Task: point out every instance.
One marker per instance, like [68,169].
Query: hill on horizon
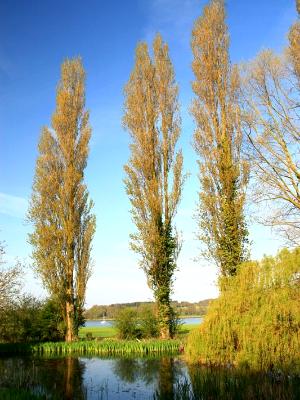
[184,308]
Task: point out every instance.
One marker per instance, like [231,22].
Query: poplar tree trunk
[69,321]
[165,312]
[70,316]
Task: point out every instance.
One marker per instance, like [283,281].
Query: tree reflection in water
[131,370]
[165,372]
[59,378]
[229,383]
[164,378]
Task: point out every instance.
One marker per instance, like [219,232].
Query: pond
[163,378]
[104,322]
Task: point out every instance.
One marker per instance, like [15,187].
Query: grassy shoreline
[93,347]
[110,331]
[101,341]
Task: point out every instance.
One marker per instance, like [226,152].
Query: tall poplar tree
[218,138]
[60,208]
[154,172]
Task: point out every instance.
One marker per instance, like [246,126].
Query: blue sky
[36,37]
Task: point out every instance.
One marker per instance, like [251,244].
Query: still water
[164,378]
[95,323]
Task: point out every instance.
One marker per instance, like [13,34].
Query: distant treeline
[111,311]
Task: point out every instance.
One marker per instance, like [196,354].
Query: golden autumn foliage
[154,172]
[60,209]
[223,173]
[294,49]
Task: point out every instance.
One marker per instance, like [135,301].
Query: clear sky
[36,36]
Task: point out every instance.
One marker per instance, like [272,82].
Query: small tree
[126,323]
[10,281]
[154,172]
[223,173]
[60,208]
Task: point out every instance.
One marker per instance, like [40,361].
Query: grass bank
[98,331]
[107,346]
[104,347]
[110,331]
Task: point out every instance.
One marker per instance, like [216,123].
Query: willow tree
[218,140]
[154,172]
[60,208]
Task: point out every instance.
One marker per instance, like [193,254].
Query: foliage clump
[131,324]
[256,320]
[28,320]
[126,324]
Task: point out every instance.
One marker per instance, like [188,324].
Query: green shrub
[131,324]
[126,324]
[148,323]
[256,320]
[29,320]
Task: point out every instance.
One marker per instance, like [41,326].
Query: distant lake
[100,322]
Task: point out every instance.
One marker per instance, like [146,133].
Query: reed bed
[104,347]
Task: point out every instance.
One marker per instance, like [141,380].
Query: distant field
[109,331]
[98,331]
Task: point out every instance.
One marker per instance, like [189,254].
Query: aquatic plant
[104,347]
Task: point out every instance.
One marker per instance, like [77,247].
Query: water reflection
[165,378]
[51,378]
[216,383]
[132,370]
[163,373]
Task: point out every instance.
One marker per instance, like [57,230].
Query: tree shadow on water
[59,378]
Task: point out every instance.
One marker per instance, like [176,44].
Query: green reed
[104,347]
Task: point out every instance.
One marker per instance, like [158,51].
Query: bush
[131,324]
[51,322]
[148,323]
[126,324]
[30,320]
[256,320]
